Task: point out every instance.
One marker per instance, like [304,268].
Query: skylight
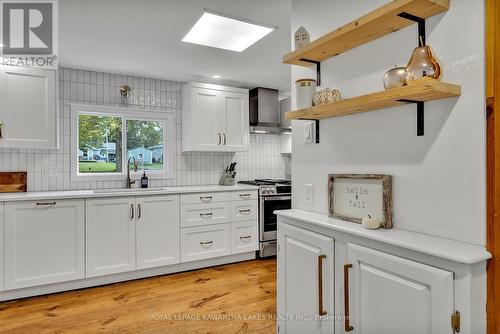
[223,32]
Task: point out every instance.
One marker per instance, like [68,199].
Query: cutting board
[13,182]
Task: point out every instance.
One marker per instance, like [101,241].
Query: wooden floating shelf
[380,22]
[417,91]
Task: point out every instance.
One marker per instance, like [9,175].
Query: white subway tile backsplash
[262,160]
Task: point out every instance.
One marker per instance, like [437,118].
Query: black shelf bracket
[318,69]
[420,115]
[316,125]
[421,25]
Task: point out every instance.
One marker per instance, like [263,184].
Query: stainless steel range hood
[264,111]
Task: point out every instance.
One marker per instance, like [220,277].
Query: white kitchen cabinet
[44,243]
[205,214]
[390,294]
[305,280]
[110,235]
[28,108]
[204,242]
[157,231]
[214,118]
[244,211]
[1,246]
[244,237]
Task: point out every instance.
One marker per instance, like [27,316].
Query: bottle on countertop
[144,181]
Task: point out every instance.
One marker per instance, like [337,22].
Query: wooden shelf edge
[421,90]
[378,23]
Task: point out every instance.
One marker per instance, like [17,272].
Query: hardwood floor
[235,298]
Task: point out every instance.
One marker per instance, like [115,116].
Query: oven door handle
[276,198]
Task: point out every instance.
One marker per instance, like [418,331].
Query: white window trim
[127,114]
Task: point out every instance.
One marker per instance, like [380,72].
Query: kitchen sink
[127,190]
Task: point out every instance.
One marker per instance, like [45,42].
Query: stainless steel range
[273,195]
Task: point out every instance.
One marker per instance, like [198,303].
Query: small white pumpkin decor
[370,223]
[301,38]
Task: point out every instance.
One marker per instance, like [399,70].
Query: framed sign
[354,196]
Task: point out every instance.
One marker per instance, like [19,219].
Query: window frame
[125,113]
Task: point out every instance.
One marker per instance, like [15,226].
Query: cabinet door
[44,242]
[157,231]
[234,109]
[28,107]
[207,123]
[302,256]
[110,235]
[389,294]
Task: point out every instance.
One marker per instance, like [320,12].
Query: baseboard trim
[122,277]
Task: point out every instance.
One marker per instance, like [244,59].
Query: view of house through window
[145,144]
[101,144]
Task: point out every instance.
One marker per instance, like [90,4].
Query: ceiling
[144,38]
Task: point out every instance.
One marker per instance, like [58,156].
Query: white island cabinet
[305,280]
[383,281]
[28,108]
[44,242]
[214,118]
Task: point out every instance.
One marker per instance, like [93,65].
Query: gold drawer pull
[206,215]
[347,317]
[320,285]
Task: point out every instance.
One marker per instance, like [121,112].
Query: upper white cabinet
[1,245]
[45,242]
[157,231]
[28,108]
[390,294]
[305,280]
[214,118]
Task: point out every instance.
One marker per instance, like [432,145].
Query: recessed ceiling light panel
[223,32]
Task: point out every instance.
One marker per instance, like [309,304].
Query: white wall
[263,159]
[439,179]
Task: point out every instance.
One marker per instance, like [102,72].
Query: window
[105,140]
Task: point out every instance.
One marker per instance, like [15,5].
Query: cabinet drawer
[204,214]
[244,237]
[205,242]
[244,195]
[244,210]
[200,198]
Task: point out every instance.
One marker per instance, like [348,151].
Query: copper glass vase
[423,64]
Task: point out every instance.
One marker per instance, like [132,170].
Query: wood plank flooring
[235,298]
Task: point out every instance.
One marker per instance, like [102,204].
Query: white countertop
[28,196]
[452,250]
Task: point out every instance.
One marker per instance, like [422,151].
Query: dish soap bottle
[144,181]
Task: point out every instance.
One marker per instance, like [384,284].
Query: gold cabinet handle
[220,139]
[320,284]
[1,124]
[347,317]
[246,237]
[139,211]
[131,211]
[225,139]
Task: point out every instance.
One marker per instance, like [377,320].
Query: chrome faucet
[130,182]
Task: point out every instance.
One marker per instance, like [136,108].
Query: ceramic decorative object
[370,223]
[395,77]
[305,92]
[423,64]
[327,95]
[301,38]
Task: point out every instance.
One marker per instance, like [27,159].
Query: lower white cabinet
[110,235]
[1,246]
[305,280]
[157,230]
[45,242]
[244,210]
[244,237]
[390,294]
[198,243]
